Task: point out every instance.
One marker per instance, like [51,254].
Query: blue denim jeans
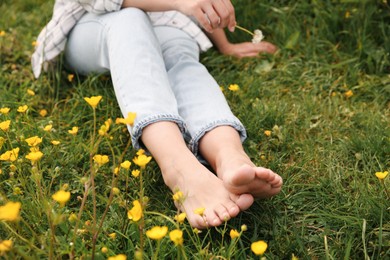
[155,72]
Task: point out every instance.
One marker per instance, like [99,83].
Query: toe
[222,213]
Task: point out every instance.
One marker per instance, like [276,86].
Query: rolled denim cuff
[136,130]
[194,142]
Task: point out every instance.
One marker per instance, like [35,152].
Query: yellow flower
[10,211]
[176,236]
[118,257]
[178,196]
[140,151]
[5,125]
[157,232]
[30,92]
[72,217]
[112,235]
[93,101]
[55,142]
[259,247]
[33,141]
[101,159]
[10,155]
[135,173]
[244,228]
[135,213]
[234,87]
[104,250]
[116,170]
[234,234]
[5,246]
[267,133]
[126,164]
[348,94]
[381,175]
[34,43]
[74,130]
[70,77]
[199,211]
[293,257]
[142,160]
[22,109]
[181,217]
[104,128]
[115,190]
[43,112]
[61,197]
[2,33]
[34,156]
[4,110]
[129,120]
[48,128]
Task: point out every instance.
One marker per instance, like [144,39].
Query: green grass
[326,146]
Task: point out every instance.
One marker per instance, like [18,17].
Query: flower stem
[244,29]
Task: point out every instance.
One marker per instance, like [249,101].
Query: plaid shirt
[52,39]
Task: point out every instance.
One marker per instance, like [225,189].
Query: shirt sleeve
[100,6]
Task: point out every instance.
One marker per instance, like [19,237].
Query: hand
[248,49]
[211,14]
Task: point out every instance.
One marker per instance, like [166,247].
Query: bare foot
[241,176]
[202,189]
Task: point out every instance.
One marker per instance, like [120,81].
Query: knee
[180,50]
[131,16]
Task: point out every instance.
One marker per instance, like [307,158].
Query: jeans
[155,72]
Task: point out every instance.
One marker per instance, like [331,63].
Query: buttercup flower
[33,141]
[234,234]
[48,128]
[34,156]
[10,211]
[126,164]
[93,101]
[199,211]
[129,120]
[142,160]
[10,155]
[61,197]
[70,77]
[2,33]
[181,217]
[157,232]
[140,151]
[5,246]
[101,159]
[259,247]
[118,257]
[267,133]
[348,94]
[104,128]
[43,112]
[178,196]
[135,213]
[5,125]
[55,142]
[74,130]
[176,236]
[381,175]
[4,110]
[112,235]
[30,92]
[234,87]
[104,250]
[116,191]
[135,173]
[22,109]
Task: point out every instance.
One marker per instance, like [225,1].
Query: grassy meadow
[317,112]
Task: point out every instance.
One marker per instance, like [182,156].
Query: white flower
[257,36]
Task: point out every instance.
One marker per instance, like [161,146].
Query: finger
[203,20]
[232,16]
[223,13]
[212,16]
